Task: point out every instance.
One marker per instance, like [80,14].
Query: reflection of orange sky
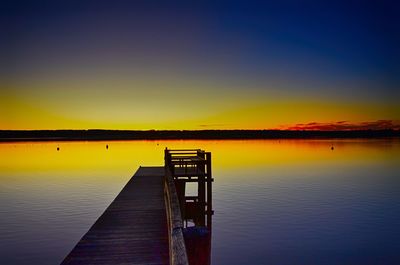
[123,157]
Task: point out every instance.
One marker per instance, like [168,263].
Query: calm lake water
[276,202]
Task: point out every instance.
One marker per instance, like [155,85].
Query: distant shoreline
[98,135]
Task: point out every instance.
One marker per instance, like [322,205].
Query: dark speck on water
[106,146]
[58,148]
[332,148]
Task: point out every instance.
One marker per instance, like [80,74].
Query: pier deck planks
[132,230]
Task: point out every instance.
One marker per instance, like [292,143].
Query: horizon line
[202,130]
[98,134]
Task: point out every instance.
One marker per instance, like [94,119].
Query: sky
[193,65]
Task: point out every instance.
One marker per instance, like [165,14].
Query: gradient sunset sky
[204,65]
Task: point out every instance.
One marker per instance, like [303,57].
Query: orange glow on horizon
[17,113]
[172,102]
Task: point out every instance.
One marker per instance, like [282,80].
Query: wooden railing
[177,248]
[181,167]
[192,165]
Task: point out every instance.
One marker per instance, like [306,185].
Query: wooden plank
[132,230]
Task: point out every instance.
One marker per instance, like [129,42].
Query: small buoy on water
[106,146]
[332,148]
[58,148]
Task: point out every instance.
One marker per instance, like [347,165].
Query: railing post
[209,189]
[201,192]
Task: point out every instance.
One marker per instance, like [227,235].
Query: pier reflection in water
[193,166]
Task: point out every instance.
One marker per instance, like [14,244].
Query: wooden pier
[145,224]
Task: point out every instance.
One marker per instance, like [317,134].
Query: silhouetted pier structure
[193,166]
[152,220]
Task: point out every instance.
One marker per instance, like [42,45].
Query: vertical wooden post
[201,188]
[167,160]
[180,186]
[209,190]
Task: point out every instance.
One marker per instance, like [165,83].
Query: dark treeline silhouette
[51,135]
